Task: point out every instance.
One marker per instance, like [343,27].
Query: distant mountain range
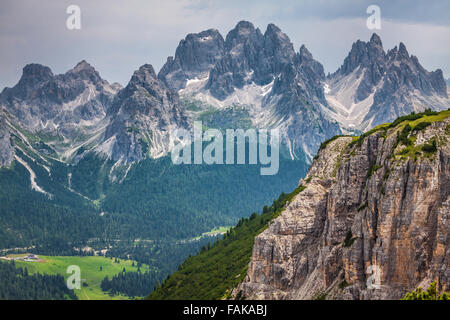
[252,78]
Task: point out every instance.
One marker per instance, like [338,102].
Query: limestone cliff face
[368,213]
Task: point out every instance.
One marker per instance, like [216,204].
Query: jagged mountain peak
[273,29]
[145,78]
[39,77]
[243,26]
[392,52]
[402,50]
[400,53]
[244,32]
[376,40]
[278,44]
[85,72]
[205,35]
[250,57]
[311,67]
[65,105]
[195,56]
[33,75]
[305,53]
[257,72]
[143,84]
[145,71]
[254,57]
[83,65]
[275,33]
[364,54]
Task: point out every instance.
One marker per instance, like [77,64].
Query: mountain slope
[144,116]
[41,100]
[379,199]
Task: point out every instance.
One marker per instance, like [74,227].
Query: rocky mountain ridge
[66,112]
[6,147]
[263,75]
[144,116]
[247,79]
[374,87]
[78,112]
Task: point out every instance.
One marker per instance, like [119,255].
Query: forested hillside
[155,216]
[216,270]
[157,200]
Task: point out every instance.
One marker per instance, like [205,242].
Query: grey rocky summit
[369,59]
[195,56]
[250,57]
[261,72]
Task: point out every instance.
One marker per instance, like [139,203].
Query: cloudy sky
[116,37]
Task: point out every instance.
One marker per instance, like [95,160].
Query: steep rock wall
[368,213]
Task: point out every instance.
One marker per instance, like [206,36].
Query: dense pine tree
[17,284]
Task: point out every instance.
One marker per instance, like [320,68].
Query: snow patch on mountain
[250,95]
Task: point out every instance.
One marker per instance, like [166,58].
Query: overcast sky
[116,37]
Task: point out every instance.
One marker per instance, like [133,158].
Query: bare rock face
[371,224]
[144,116]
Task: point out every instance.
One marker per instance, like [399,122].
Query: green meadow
[91,274]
